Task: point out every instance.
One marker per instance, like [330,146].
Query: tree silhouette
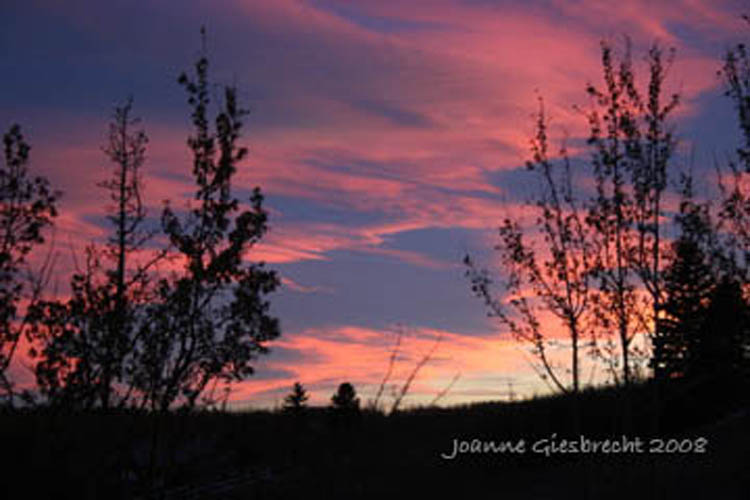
[558,279]
[400,393]
[345,400]
[735,73]
[688,285]
[724,325]
[596,251]
[632,147]
[689,281]
[28,205]
[735,201]
[211,318]
[723,339]
[296,401]
[89,341]
[131,286]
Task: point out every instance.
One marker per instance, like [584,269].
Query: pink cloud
[409,126]
[360,355]
[292,285]
[472,81]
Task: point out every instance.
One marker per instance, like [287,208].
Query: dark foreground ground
[322,454]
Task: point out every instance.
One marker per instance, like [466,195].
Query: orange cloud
[407,113]
[328,356]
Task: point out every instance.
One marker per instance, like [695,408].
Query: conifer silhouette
[296,401]
[688,286]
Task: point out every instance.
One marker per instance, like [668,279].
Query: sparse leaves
[597,251]
[557,281]
[28,205]
[211,319]
[89,342]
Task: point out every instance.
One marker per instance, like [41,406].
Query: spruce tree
[719,351]
[688,284]
[296,401]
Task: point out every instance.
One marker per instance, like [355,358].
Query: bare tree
[598,271]
[632,148]
[444,392]
[389,371]
[555,280]
[734,214]
[130,280]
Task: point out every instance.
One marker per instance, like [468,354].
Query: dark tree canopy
[720,348]
[211,319]
[87,353]
[688,283]
[28,205]
[133,335]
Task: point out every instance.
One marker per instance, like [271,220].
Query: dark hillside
[320,453]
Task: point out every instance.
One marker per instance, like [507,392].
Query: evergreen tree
[721,344]
[689,281]
[296,401]
[688,284]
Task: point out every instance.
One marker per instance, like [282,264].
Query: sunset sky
[389,138]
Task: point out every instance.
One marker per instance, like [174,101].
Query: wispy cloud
[396,131]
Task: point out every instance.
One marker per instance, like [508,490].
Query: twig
[391,363]
[405,388]
[440,395]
